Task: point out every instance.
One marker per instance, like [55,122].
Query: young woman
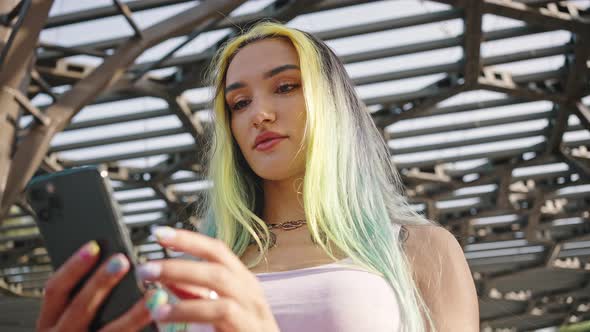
[306,227]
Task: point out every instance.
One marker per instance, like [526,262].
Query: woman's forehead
[258,57]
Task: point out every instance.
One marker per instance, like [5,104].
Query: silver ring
[212,295]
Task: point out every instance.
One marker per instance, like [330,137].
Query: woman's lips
[267,145]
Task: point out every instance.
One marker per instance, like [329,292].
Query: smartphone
[73,207]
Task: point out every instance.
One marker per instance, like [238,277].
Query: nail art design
[161,312]
[149,271]
[157,299]
[116,264]
[163,232]
[91,249]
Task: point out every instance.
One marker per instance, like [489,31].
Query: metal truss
[525,230]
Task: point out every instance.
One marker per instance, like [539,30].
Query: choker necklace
[287,226]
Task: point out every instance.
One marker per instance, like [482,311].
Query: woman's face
[264,94]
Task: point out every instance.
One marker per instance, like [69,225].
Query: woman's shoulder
[414,235]
[443,275]
[428,246]
[423,237]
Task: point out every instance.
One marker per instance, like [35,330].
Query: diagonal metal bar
[501,81]
[178,106]
[28,106]
[124,9]
[12,14]
[35,144]
[557,126]
[583,113]
[581,168]
[72,50]
[549,18]
[50,164]
[23,8]
[176,162]
[578,68]
[577,77]
[13,75]
[43,85]
[421,105]
[194,34]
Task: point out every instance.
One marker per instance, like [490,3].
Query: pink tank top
[335,297]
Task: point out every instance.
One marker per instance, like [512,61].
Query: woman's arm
[444,278]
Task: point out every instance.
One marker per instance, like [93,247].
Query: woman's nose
[263,113]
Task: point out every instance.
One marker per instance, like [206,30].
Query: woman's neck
[283,200]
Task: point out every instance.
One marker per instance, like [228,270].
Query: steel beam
[14,77]
[472,41]
[583,113]
[549,17]
[557,126]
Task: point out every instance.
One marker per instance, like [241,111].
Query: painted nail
[91,249]
[163,232]
[117,264]
[149,271]
[157,299]
[161,312]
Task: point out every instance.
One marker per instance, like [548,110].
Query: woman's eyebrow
[267,75]
[279,69]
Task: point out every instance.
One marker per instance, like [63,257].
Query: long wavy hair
[352,193]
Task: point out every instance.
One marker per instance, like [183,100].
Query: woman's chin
[272,176]
[275,173]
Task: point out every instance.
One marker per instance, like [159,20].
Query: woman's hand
[241,305]
[59,313]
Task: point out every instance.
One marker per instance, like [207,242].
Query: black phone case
[73,207]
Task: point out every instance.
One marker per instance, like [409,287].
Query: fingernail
[163,232]
[161,312]
[157,299]
[149,271]
[90,249]
[117,264]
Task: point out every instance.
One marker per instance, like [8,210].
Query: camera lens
[38,194]
[44,214]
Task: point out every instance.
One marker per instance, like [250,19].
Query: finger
[83,307]
[134,319]
[203,274]
[63,281]
[221,312]
[199,245]
[187,291]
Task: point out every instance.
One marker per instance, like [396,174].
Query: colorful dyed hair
[352,193]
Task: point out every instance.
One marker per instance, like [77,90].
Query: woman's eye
[284,88]
[240,104]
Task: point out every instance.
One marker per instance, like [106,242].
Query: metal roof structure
[491,137]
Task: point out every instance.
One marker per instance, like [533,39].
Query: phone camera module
[44,214]
[38,194]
